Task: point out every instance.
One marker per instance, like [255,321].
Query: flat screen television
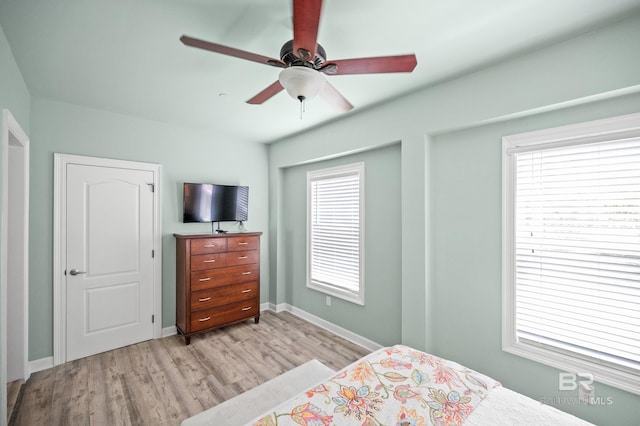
[207,202]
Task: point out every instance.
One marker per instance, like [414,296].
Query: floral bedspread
[392,386]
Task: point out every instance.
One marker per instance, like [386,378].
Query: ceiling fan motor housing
[291,59]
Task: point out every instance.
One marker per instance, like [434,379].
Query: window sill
[358,299]
[603,373]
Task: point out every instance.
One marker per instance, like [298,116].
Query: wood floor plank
[163,381]
[106,402]
[36,402]
[63,390]
[147,395]
[13,392]
[97,387]
[176,369]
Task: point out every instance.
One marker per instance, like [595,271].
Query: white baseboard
[40,364]
[282,307]
[329,326]
[169,331]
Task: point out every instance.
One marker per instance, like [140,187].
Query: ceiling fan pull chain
[302,105]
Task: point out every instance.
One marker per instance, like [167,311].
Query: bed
[402,386]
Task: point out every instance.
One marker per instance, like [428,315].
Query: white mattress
[505,407]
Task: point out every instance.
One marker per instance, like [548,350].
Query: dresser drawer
[241,257]
[208,245]
[201,280]
[224,314]
[219,296]
[208,261]
[243,243]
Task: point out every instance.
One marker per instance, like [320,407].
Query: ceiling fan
[304,61]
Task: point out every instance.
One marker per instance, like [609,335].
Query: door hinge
[153,319]
[153,253]
[152,186]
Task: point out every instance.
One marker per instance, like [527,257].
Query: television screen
[205,202]
[242,203]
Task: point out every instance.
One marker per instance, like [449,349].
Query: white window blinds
[334,226]
[577,249]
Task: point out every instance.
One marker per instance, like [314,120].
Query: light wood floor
[162,382]
[13,390]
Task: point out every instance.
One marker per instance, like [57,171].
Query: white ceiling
[125,56]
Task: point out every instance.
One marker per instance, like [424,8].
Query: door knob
[76,272]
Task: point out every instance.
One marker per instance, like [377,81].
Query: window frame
[334,290]
[627,126]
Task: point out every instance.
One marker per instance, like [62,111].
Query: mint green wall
[374,320]
[185,155]
[15,97]
[465,168]
[14,94]
[594,75]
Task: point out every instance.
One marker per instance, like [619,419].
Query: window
[335,223]
[571,248]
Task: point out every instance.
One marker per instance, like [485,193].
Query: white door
[109,259]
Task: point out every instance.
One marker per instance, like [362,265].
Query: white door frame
[15,149]
[60,244]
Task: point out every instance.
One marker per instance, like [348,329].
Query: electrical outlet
[586,393]
[328,300]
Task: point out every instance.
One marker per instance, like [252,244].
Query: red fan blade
[266,94]
[226,50]
[306,19]
[333,97]
[382,64]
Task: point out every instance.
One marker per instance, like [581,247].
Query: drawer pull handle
[204,299]
[204,319]
[246,273]
[246,291]
[242,243]
[209,245]
[204,279]
[243,257]
[247,308]
[209,261]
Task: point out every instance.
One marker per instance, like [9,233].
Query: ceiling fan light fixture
[301,83]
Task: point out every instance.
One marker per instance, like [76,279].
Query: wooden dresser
[217,281]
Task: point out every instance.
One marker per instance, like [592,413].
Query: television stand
[217,231]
